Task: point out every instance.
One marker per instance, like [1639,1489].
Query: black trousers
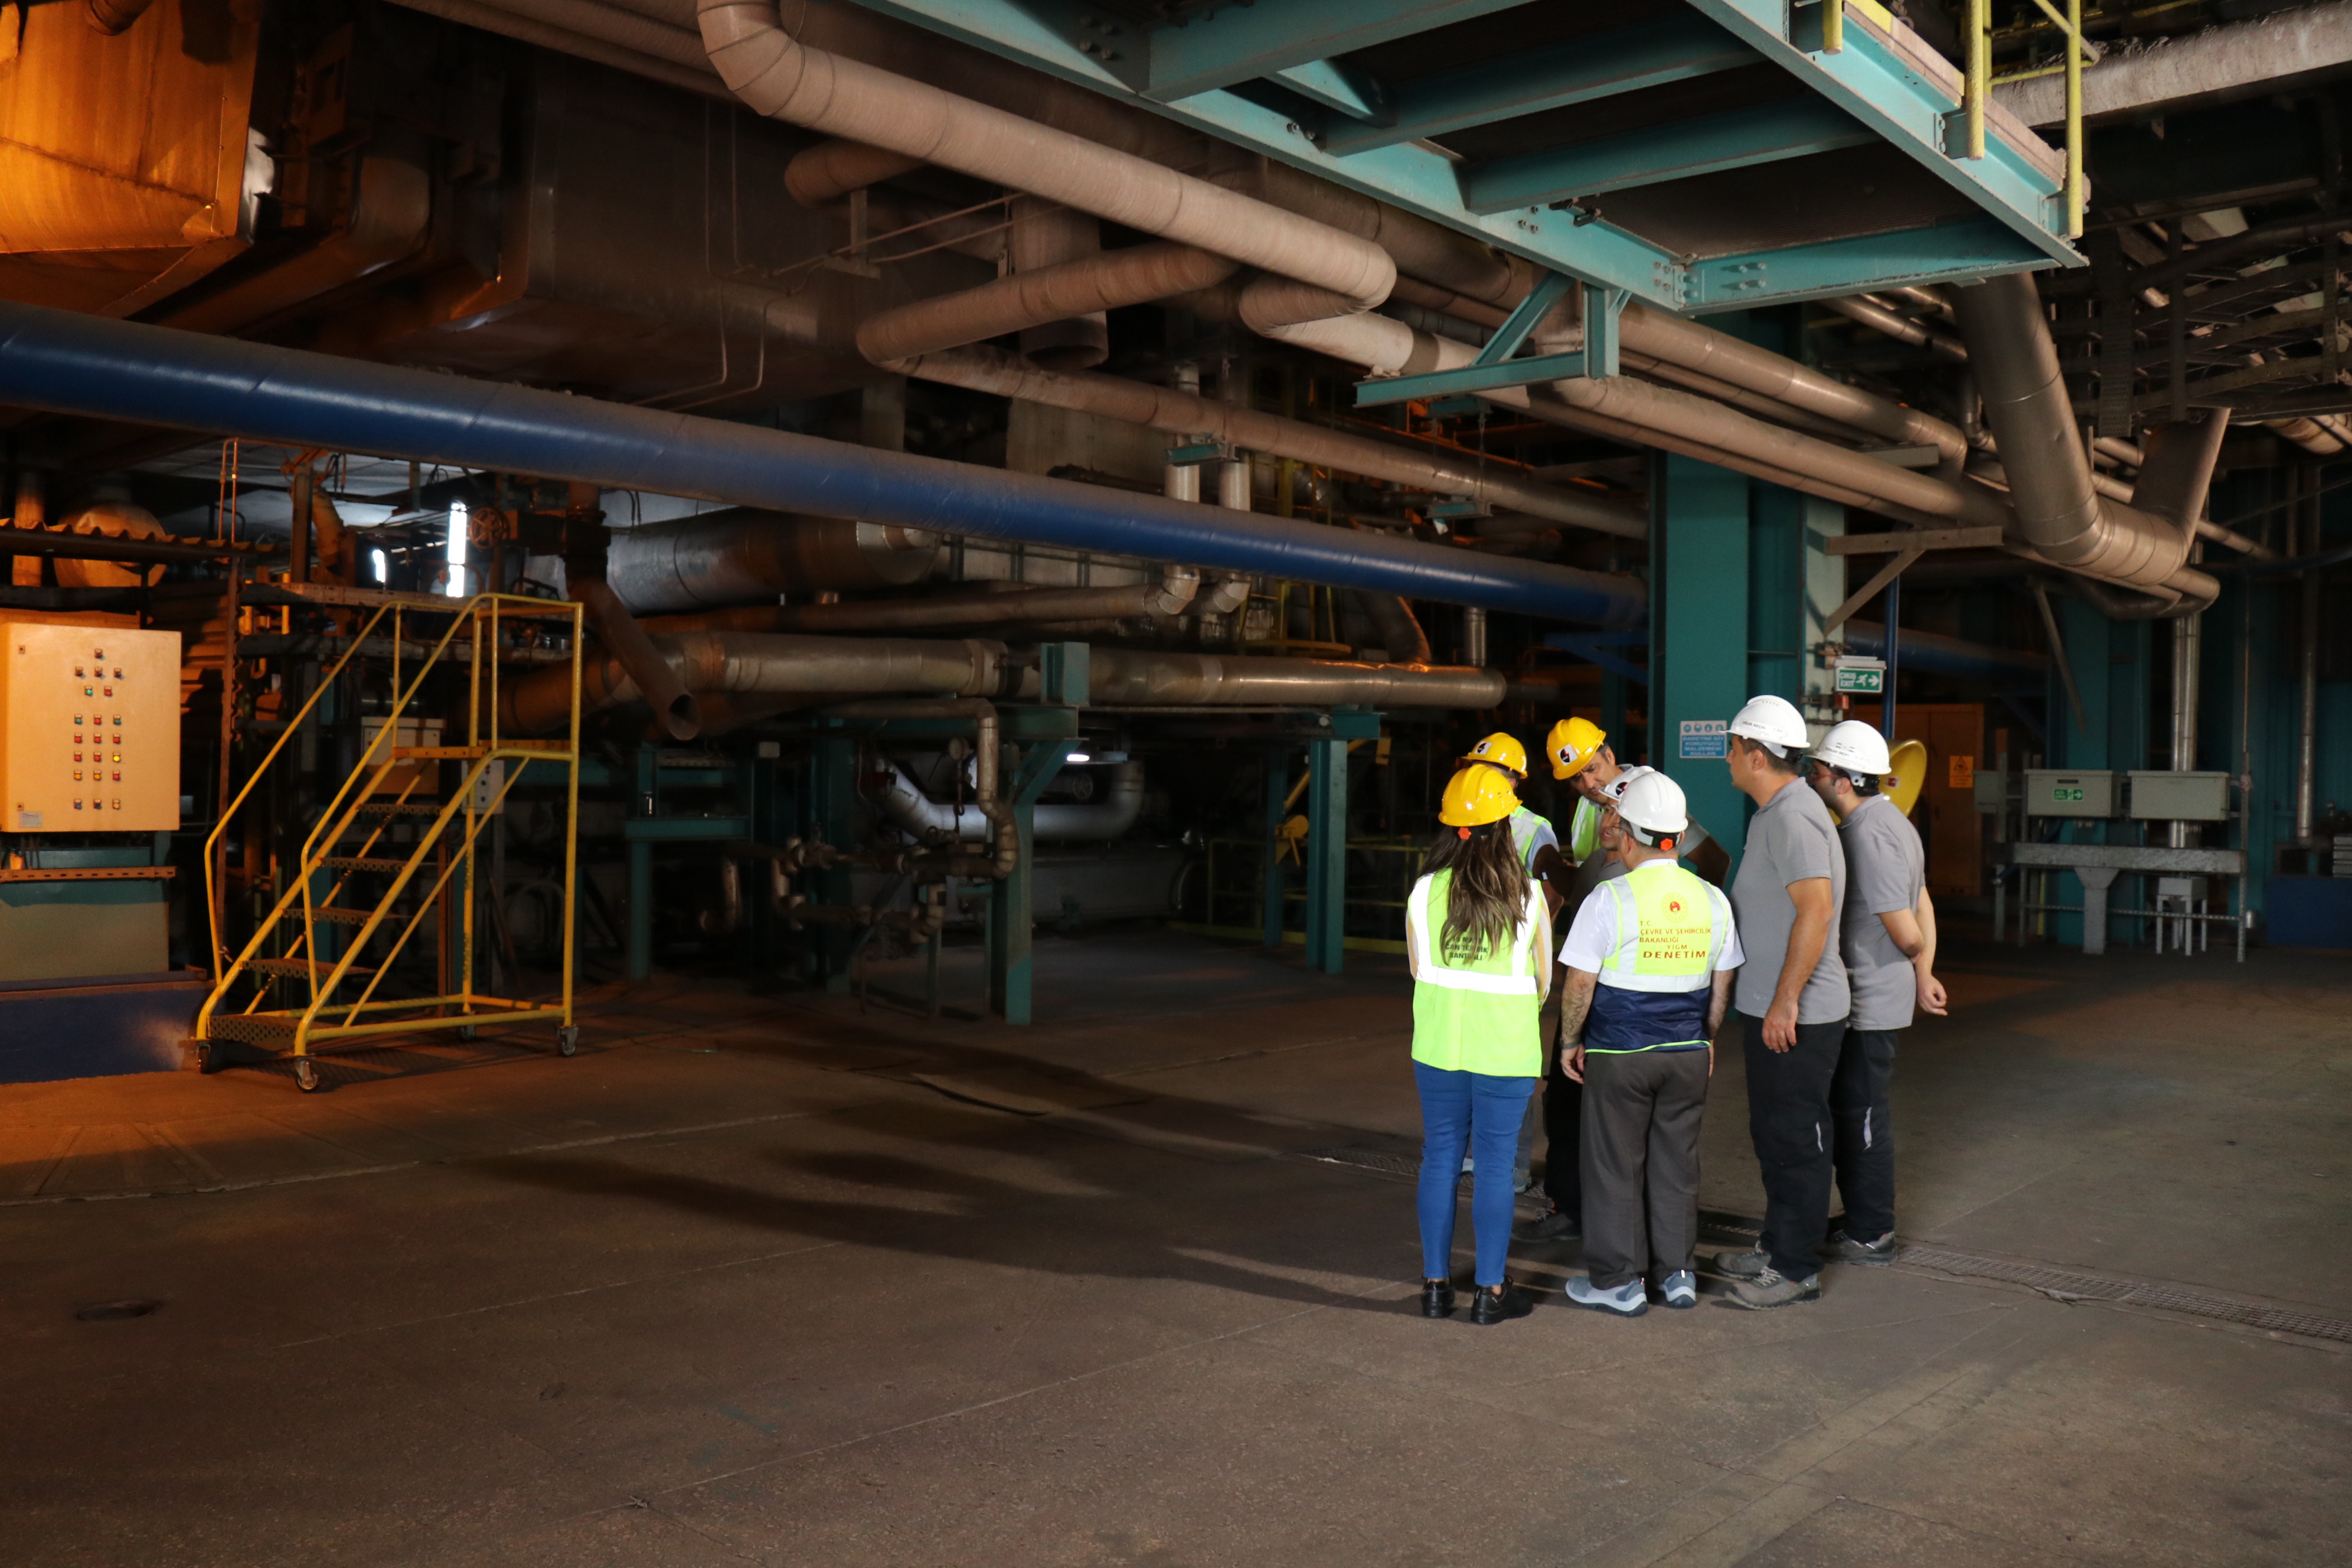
[1788,1118]
[1640,1158]
[1864,1144]
[1563,1121]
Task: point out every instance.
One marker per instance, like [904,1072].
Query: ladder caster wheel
[209,1059]
[567,1040]
[305,1075]
[465,1031]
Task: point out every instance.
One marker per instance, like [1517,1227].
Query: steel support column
[1698,635]
[644,802]
[1010,916]
[1277,802]
[833,765]
[1326,853]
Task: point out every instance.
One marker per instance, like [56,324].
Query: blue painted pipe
[70,364]
[1947,656]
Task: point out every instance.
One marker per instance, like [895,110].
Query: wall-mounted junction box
[89,729]
[2165,796]
[2050,792]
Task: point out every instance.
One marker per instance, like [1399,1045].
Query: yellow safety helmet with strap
[1476,797]
[1502,751]
[1571,744]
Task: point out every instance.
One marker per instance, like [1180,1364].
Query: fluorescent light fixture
[382,565]
[456,587]
[1079,757]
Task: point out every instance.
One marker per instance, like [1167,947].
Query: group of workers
[1825,945]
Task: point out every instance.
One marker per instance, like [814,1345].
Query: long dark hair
[1487,897]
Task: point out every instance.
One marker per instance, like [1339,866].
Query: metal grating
[2064,1284]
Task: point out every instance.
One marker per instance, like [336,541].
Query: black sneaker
[1437,1298]
[1843,1248]
[1557,1224]
[1500,1305]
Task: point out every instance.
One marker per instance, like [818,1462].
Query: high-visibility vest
[1524,824]
[1475,1014]
[1655,989]
[1583,831]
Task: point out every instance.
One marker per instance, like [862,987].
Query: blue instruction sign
[1704,738]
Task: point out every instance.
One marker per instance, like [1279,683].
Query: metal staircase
[333,958]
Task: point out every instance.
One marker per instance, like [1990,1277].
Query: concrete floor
[769,1280]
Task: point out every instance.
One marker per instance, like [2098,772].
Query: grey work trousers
[1639,1163]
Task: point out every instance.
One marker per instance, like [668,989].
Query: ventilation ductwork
[907,805]
[2059,512]
[741,555]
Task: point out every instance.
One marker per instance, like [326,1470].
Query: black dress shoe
[1437,1298]
[1500,1306]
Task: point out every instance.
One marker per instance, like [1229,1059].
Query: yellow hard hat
[1501,750]
[1476,796]
[1571,744]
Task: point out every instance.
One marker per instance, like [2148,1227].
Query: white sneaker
[1628,1300]
[1681,1289]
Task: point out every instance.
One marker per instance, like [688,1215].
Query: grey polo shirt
[1791,839]
[1888,867]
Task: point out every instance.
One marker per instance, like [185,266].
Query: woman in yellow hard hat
[1479,936]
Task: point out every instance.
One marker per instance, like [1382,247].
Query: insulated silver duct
[1128,678]
[2059,512]
[741,555]
[905,803]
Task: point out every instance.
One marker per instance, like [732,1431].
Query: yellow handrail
[1978,79]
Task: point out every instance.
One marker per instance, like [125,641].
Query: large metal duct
[778,76]
[1177,592]
[1128,678]
[2059,512]
[1937,655]
[743,555]
[70,364]
[1041,300]
[905,803]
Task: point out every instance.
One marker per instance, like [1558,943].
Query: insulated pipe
[829,170]
[1181,413]
[587,31]
[1023,300]
[752,663]
[1397,627]
[741,555]
[1938,655]
[1172,596]
[2059,513]
[71,363]
[1128,677]
[987,762]
[647,673]
[1044,237]
[905,803]
[777,76]
[1870,313]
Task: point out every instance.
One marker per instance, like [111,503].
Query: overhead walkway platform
[1704,155]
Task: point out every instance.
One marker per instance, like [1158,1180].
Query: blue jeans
[1482,1112]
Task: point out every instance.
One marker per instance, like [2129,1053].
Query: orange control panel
[89,729]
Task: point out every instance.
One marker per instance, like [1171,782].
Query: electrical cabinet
[2158,795]
[2050,792]
[89,729]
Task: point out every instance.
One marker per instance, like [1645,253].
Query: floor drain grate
[2066,1284]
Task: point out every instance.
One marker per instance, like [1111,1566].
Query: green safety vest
[1655,989]
[1584,832]
[1477,1014]
[1524,824]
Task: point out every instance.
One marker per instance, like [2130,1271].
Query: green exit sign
[2061,793]
[1866,679]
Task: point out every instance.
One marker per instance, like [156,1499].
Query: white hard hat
[1615,790]
[1652,805]
[1857,747]
[1773,720]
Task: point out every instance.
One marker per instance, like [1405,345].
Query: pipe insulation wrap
[777,76]
[70,364]
[1109,282]
[743,555]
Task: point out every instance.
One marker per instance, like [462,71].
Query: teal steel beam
[1964,248]
[1907,97]
[650,830]
[1494,368]
[1627,60]
[1326,854]
[1011,939]
[1241,43]
[831,802]
[1337,85]
[1698,635]
[1737,139]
